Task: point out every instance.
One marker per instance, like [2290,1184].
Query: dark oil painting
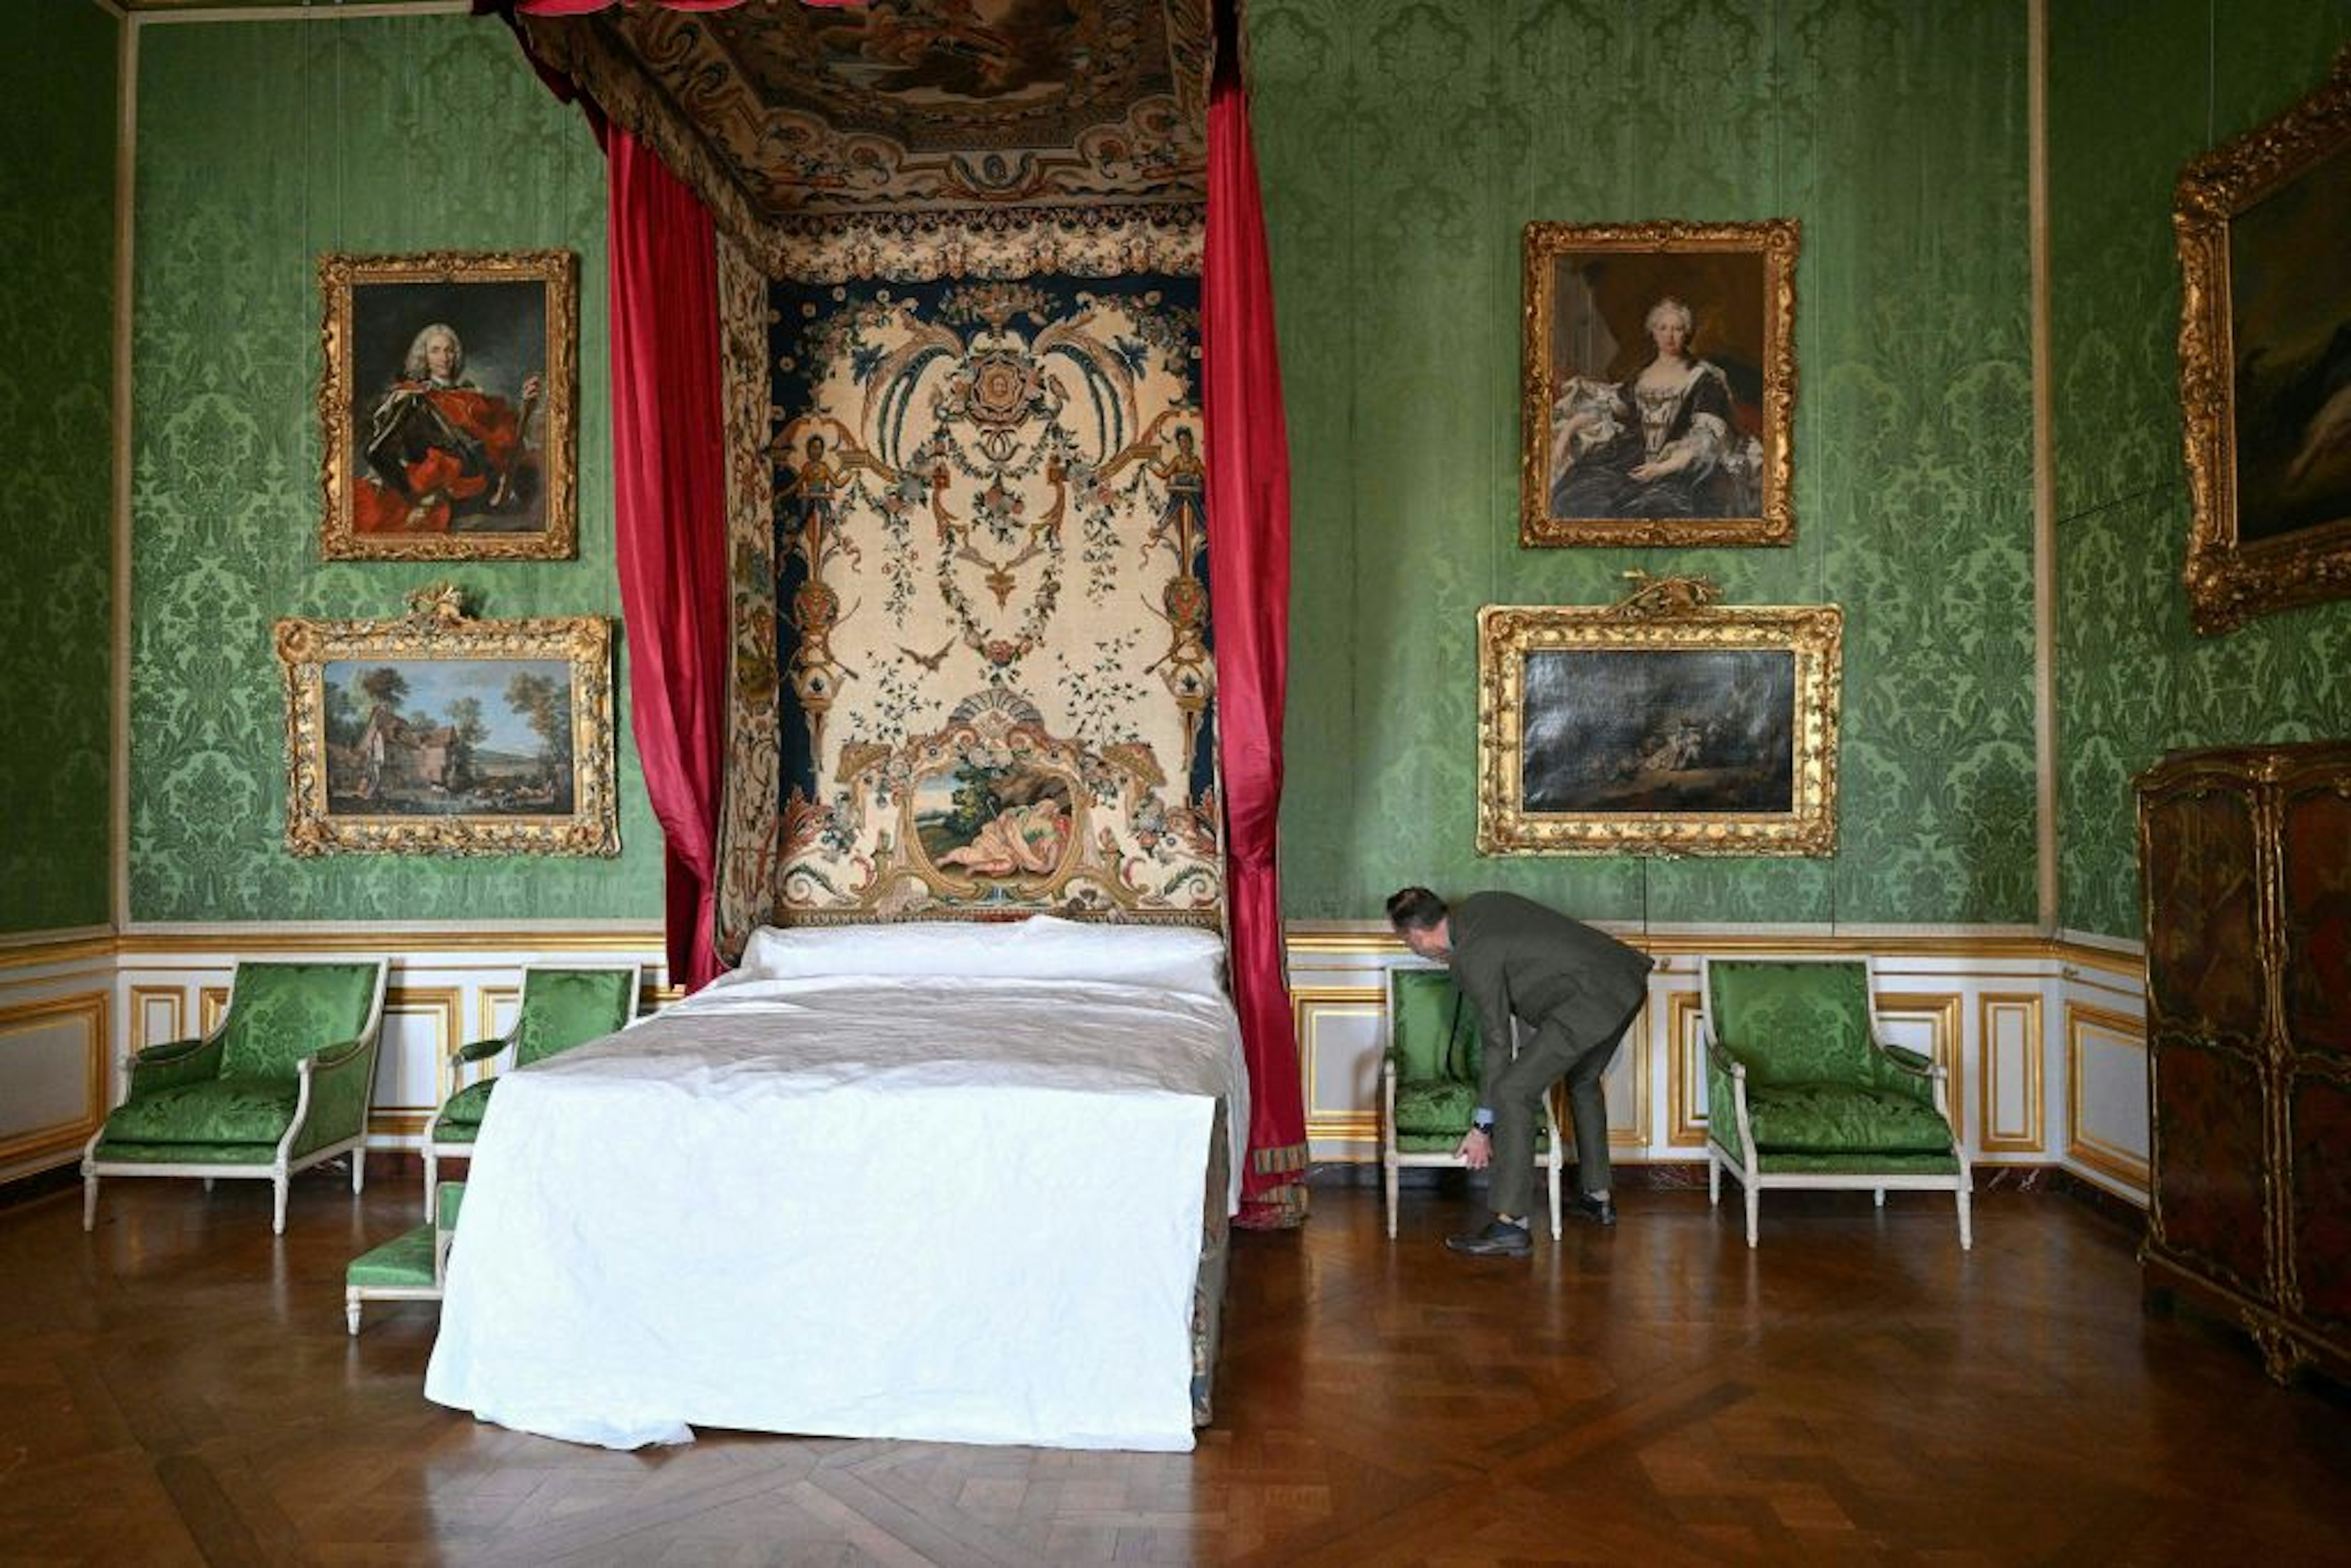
[1662,730]
[2290,323]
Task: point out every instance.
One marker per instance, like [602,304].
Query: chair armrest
[1726,1094]
[174,1062]
[1912,1061]
[338,1080]
[481,1050]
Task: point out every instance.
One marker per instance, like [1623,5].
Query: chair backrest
[564,1008]
[1793,1021]
[279,1013]
[1432,1028]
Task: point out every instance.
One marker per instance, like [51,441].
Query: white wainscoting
[2044,1042]
[57,1031]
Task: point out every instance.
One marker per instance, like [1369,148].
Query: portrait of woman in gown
[1665,441]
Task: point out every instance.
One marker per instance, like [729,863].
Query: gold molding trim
[2229,581]
[1998,1140]
[56,950]
[1305,1003]
[1509,636]
[1635,1136]
[212,1006]
[1943,1011]
[92,1008]
[140,996]
[442,1005]
[1684,1071]
[2118,1164]
[1773,243]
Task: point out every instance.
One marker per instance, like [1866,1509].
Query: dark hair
[1414,909]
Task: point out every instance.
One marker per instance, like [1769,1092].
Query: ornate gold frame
[1667,614]
[438,627]
[2229,583]
[1775,243]
[558,270]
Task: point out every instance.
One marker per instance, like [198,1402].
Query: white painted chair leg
[351,1313]
[277,1219]
[208,1183]
[432,1190]
[359,1170]
[1967,1222]
[1752,1196]
[1713,1180]
[1555,1195]
[89,1203]
[1881,1197]
[1391,1184]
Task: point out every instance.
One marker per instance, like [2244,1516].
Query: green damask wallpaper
[262,144]
[1403,146]
[2136,89]
[56,526]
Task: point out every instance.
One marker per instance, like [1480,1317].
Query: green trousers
[1549,1054]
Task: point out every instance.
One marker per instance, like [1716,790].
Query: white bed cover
[965,1209]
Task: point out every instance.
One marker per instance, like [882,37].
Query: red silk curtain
[1248,585]
[670,509]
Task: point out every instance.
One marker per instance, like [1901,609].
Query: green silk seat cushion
[404,1263]
[126,1151]
[445,1207]
[1870,1165]
[1438,1106]
[280,1013]
[1842,1118]
[460,1121]
[230,1109]
[564,1008]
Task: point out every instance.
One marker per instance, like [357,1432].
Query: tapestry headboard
[989,685]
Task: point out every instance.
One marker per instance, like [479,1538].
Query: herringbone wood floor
[178,1388]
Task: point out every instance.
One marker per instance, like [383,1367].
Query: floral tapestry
[993,641]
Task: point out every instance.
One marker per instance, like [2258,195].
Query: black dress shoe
[1598,1211]
[1497,1240]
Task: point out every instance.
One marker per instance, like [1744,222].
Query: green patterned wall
[57,467]
[2136,89]
[1403,146]
[262,144]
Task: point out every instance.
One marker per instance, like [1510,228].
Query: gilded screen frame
[1654,623]
[1773,244]
[2229,581]
[558,273]
[437,628]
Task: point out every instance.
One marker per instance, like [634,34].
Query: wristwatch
[1485,1127]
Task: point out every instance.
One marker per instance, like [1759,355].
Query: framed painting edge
[1777,241]
[339,274]
[437,629]
[2228,582]
[1813,633]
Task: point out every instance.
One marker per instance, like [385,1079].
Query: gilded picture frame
[448,405]
[1666,725]
[437,734]
[1629,438]
[2265,363]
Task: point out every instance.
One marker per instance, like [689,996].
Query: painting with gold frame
[1664,725]
[447,405]
[1658,371]
[2265,363]
[438,734]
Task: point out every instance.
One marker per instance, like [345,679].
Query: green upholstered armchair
[1428,1088]
[559,1008]
[283,1082]
[1803,1091]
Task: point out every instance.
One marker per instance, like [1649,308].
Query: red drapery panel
[670,507]
[1248,586]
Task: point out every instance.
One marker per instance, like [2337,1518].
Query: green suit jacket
[1513,956]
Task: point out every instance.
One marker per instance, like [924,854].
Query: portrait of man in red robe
[441,454]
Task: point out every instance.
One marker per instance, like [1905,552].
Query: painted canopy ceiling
[913,104]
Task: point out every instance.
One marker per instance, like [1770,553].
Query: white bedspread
[963,1209]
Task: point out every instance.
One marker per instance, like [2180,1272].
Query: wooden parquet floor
[178,1388]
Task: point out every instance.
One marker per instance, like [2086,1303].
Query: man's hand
[1477,1150]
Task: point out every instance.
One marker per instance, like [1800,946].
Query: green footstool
[408,1267]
